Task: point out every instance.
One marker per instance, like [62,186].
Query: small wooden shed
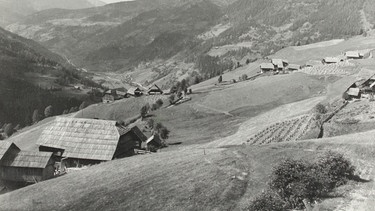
[28,167]
[135,92]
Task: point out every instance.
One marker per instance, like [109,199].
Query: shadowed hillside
[24,64]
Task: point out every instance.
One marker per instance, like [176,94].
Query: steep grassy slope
[219,179]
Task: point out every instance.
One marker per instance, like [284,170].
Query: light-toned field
[342,68]
[318,51]
[221,50]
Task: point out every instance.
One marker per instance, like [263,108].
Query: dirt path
[215,110]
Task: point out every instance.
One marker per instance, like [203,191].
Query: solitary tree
[220,79]
[144,110]
[36,116]
[150,123]
[162,131]
[244,77]
[73,109]
[9,129]
[159,102]
[83,105]
[48,112]
[320,109]
[172,98]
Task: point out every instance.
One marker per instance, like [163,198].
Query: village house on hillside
[155,89]
[134,92]
[353,55]
[114,94]
[23,166]
[331,60]
[279,64]
[267,67]
[294,67]
[88,141]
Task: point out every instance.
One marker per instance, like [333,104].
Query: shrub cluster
[293,181]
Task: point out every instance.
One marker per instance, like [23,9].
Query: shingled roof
[5,146]
[82,138]
[26,159]
[267,66]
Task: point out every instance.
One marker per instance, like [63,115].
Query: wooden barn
[155,89]
[28,167]
[266,67]
[134,92]
[353,55]
[153,143]
[331,60]
[89,141]
[294,67]
[279,63]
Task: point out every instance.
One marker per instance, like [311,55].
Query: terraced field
[329,69]
[289,130]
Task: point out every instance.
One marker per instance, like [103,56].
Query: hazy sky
[112,1]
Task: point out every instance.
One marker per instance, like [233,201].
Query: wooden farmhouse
[267,67]
[89,141]
[134,92]
[353,55]
[354,92]
[331,60]
[279,64]
[294,67]
[23,166]
[155,89]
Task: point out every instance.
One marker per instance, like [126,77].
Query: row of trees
[296,183]
[147,108]
[8,128]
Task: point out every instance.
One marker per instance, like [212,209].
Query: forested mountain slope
[123,35]
[14,10]
[22,63]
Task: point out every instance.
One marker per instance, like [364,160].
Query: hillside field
[214,179]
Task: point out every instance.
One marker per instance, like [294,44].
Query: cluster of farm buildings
[278,65]
[120,93]
[71,142]
[362,89]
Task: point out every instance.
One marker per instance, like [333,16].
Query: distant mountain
[28,75]
[14,10]
[123,35]
[97,3]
